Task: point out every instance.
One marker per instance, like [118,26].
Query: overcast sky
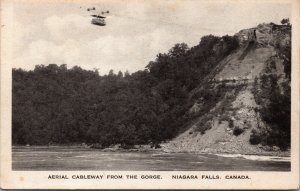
[135,33]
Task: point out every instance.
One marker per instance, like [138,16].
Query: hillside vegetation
[182,96]
[253,114]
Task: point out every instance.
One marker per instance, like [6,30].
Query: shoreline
[271,154]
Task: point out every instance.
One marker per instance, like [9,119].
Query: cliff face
[265,35]
[245,36]
[229,125]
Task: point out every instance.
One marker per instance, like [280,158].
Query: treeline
[55,105]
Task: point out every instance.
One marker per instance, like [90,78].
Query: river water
[76,158]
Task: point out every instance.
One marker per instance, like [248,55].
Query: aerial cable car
[98,20]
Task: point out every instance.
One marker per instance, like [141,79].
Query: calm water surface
[71,158]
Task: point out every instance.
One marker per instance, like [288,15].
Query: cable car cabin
[98,20]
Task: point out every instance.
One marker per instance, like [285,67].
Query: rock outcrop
[266,34]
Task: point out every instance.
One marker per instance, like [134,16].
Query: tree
[178,50]
[111,73]
[120,74]
[126,75]
[285,21]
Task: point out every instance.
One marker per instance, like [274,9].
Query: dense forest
[56,105]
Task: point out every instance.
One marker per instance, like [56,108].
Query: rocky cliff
[265,35]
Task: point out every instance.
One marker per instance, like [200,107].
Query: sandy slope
[245,63]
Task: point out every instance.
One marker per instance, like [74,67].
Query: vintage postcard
[149,94]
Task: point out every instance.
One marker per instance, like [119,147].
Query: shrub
[230,124]
[157,146]
[224,117]
[255,137]
[237,131]
[205,123]
[247,125]
[205,126]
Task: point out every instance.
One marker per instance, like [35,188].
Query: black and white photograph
[127,85]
